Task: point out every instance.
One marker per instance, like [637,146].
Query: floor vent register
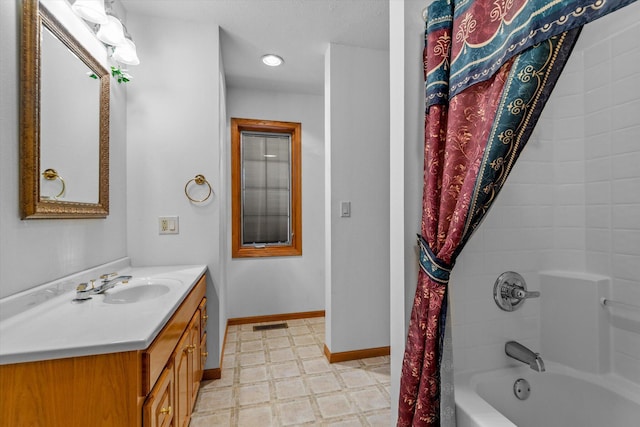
[282,325]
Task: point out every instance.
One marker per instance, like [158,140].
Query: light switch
[168,224]
[345,209]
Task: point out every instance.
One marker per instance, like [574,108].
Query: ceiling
[297,30]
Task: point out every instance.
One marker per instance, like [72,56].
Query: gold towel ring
[200,180]
[52,174]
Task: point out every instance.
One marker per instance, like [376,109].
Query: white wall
[357,106]
[406,162]
[224,245]
[274,285]
[173,133]
[33,252]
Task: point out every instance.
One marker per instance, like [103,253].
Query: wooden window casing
[294,246]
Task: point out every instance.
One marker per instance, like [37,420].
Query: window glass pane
[265,230]
[253,147]
[266,201]
[277,175]
[266,172]
[254,174]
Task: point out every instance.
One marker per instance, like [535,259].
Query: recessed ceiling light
[272,60]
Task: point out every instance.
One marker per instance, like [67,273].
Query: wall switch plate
[345,209]
[168,224]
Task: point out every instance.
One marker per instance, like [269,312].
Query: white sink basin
[138,293]
[127,317]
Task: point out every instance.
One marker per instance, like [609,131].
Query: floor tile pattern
[280,377]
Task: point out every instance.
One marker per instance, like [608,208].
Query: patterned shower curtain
[490,66]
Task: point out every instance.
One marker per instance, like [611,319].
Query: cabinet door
[203,316]
[158,410]
[183,381]
[203,353]
[195,360]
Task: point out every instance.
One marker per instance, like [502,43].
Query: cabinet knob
[167,410]
[205,317]
[205,354]
[190,348]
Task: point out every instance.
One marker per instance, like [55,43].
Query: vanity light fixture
[112,32]
[272,60]
[126,53]
[90,10]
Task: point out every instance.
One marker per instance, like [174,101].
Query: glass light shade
[91,10]
[111,33]
[126,53]
[272,60]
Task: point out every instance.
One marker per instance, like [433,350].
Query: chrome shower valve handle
[510,291]
[519,293]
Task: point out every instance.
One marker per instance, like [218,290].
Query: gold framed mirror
[64,141]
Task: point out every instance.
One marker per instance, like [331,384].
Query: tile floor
[280,377]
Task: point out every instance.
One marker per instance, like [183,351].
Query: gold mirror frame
[34,16]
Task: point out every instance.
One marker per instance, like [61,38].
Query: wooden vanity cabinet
[174,394]
[195,367]
[158,409]
[155,387]
[183,367]
[203,339]
[187,379]
[182,380]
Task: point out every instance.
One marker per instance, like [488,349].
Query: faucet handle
[107,275]
[520,293]
[81,287]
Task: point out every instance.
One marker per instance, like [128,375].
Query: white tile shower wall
[566,109]
[572,203]
[612,172]
[515,236]
[579,339]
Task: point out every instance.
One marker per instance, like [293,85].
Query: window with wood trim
[266,188]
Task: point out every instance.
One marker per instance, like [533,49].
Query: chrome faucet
[84,293]
[521,353]
[108,283]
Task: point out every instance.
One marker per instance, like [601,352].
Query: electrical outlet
[168,224]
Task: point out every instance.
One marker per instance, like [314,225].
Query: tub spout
[521,353]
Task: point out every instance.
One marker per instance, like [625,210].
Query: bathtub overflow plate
[521,389]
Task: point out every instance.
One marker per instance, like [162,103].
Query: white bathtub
[560,397]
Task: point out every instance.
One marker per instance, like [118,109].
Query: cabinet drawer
[159,407]
[157,355]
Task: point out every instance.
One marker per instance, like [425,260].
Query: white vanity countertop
[59,328]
